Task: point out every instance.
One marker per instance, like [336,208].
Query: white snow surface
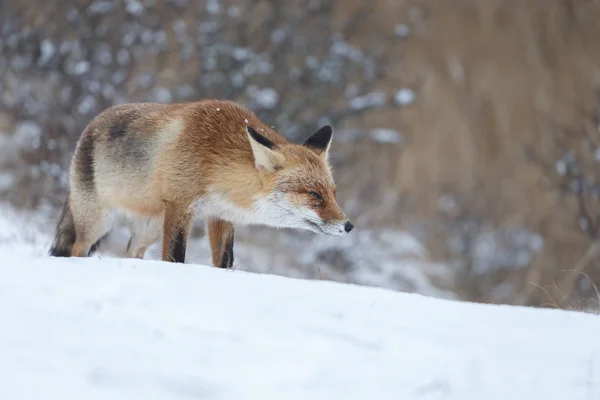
[110,328]
[138,329]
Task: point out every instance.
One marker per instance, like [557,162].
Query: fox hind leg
[91,224]
[145,231]
[89,230]
[65,233]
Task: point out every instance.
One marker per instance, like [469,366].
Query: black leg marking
[178,252]
[227,257]
[60,252]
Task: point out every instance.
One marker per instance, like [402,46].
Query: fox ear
[320,141]
[265,156]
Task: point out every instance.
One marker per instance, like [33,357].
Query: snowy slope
[382,258]
[132,329]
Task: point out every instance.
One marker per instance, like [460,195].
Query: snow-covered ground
[108,328]
[382,258]
[123,329]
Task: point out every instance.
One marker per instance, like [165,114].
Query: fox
[158,166]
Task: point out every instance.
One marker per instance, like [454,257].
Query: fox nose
[348,227]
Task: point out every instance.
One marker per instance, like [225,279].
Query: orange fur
[158,161]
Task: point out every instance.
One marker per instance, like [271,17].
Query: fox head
[298,182]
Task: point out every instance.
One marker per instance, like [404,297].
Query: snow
[161,95]
[47,50]
[234,12]
[241,53]
[99,328]
[561,167]
[92,328]
[447,203]
[81,68]
[278,35]
[100,7]
[212,6]
[134,7]
[87,105]
[370,100]
[6,180]
[25,132]
[263,97]
[404,97]
[402,30]
[386,135]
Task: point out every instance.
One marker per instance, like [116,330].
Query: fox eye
[315,195]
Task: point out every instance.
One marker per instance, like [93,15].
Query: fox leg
[144,232]
[176,226]
[89,223]
[135,249]
[220,236]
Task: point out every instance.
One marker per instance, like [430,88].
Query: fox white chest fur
[272,210]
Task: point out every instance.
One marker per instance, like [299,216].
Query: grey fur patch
[117,130]
[121,124]
[85,162]
[125,142]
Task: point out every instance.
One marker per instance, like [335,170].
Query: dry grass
[554,297]
[492,77]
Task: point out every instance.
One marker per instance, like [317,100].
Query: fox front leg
[220,236]
[177,223]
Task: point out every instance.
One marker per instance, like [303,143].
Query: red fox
[157,166]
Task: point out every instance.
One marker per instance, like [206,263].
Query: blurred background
[466,132]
